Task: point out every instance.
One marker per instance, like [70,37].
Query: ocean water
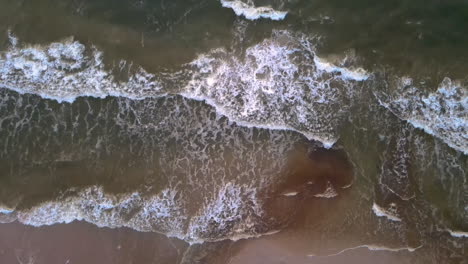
[233,131]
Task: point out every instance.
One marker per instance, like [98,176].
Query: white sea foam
[394,175]
[373,248]
[329,192]
[251,12]
[276,85]
[4,210]
[7,213]
[443,113]
[7,218]
[162,212]
[12,38]
[358,74]
[64,71]
[231,214]
[248,236]
[388,213]
[459,234]
[290,194]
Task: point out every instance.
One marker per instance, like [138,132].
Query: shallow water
[234,131]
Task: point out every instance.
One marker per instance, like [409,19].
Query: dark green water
[313,131]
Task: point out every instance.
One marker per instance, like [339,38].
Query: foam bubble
[251,12]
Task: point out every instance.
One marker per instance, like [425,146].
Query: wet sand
[80,242]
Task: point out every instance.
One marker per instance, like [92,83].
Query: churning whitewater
[280,73]
[443,113]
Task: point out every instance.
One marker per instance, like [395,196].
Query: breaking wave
[250,11]
[458,234]
[443,113]
[66,70]
[279,83]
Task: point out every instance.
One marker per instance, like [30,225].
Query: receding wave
[250,11]
[165,213]
[173,147]
[388,213]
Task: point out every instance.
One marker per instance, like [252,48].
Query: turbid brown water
[233,131]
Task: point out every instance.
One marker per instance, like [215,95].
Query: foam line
[381,212]
[372,248]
